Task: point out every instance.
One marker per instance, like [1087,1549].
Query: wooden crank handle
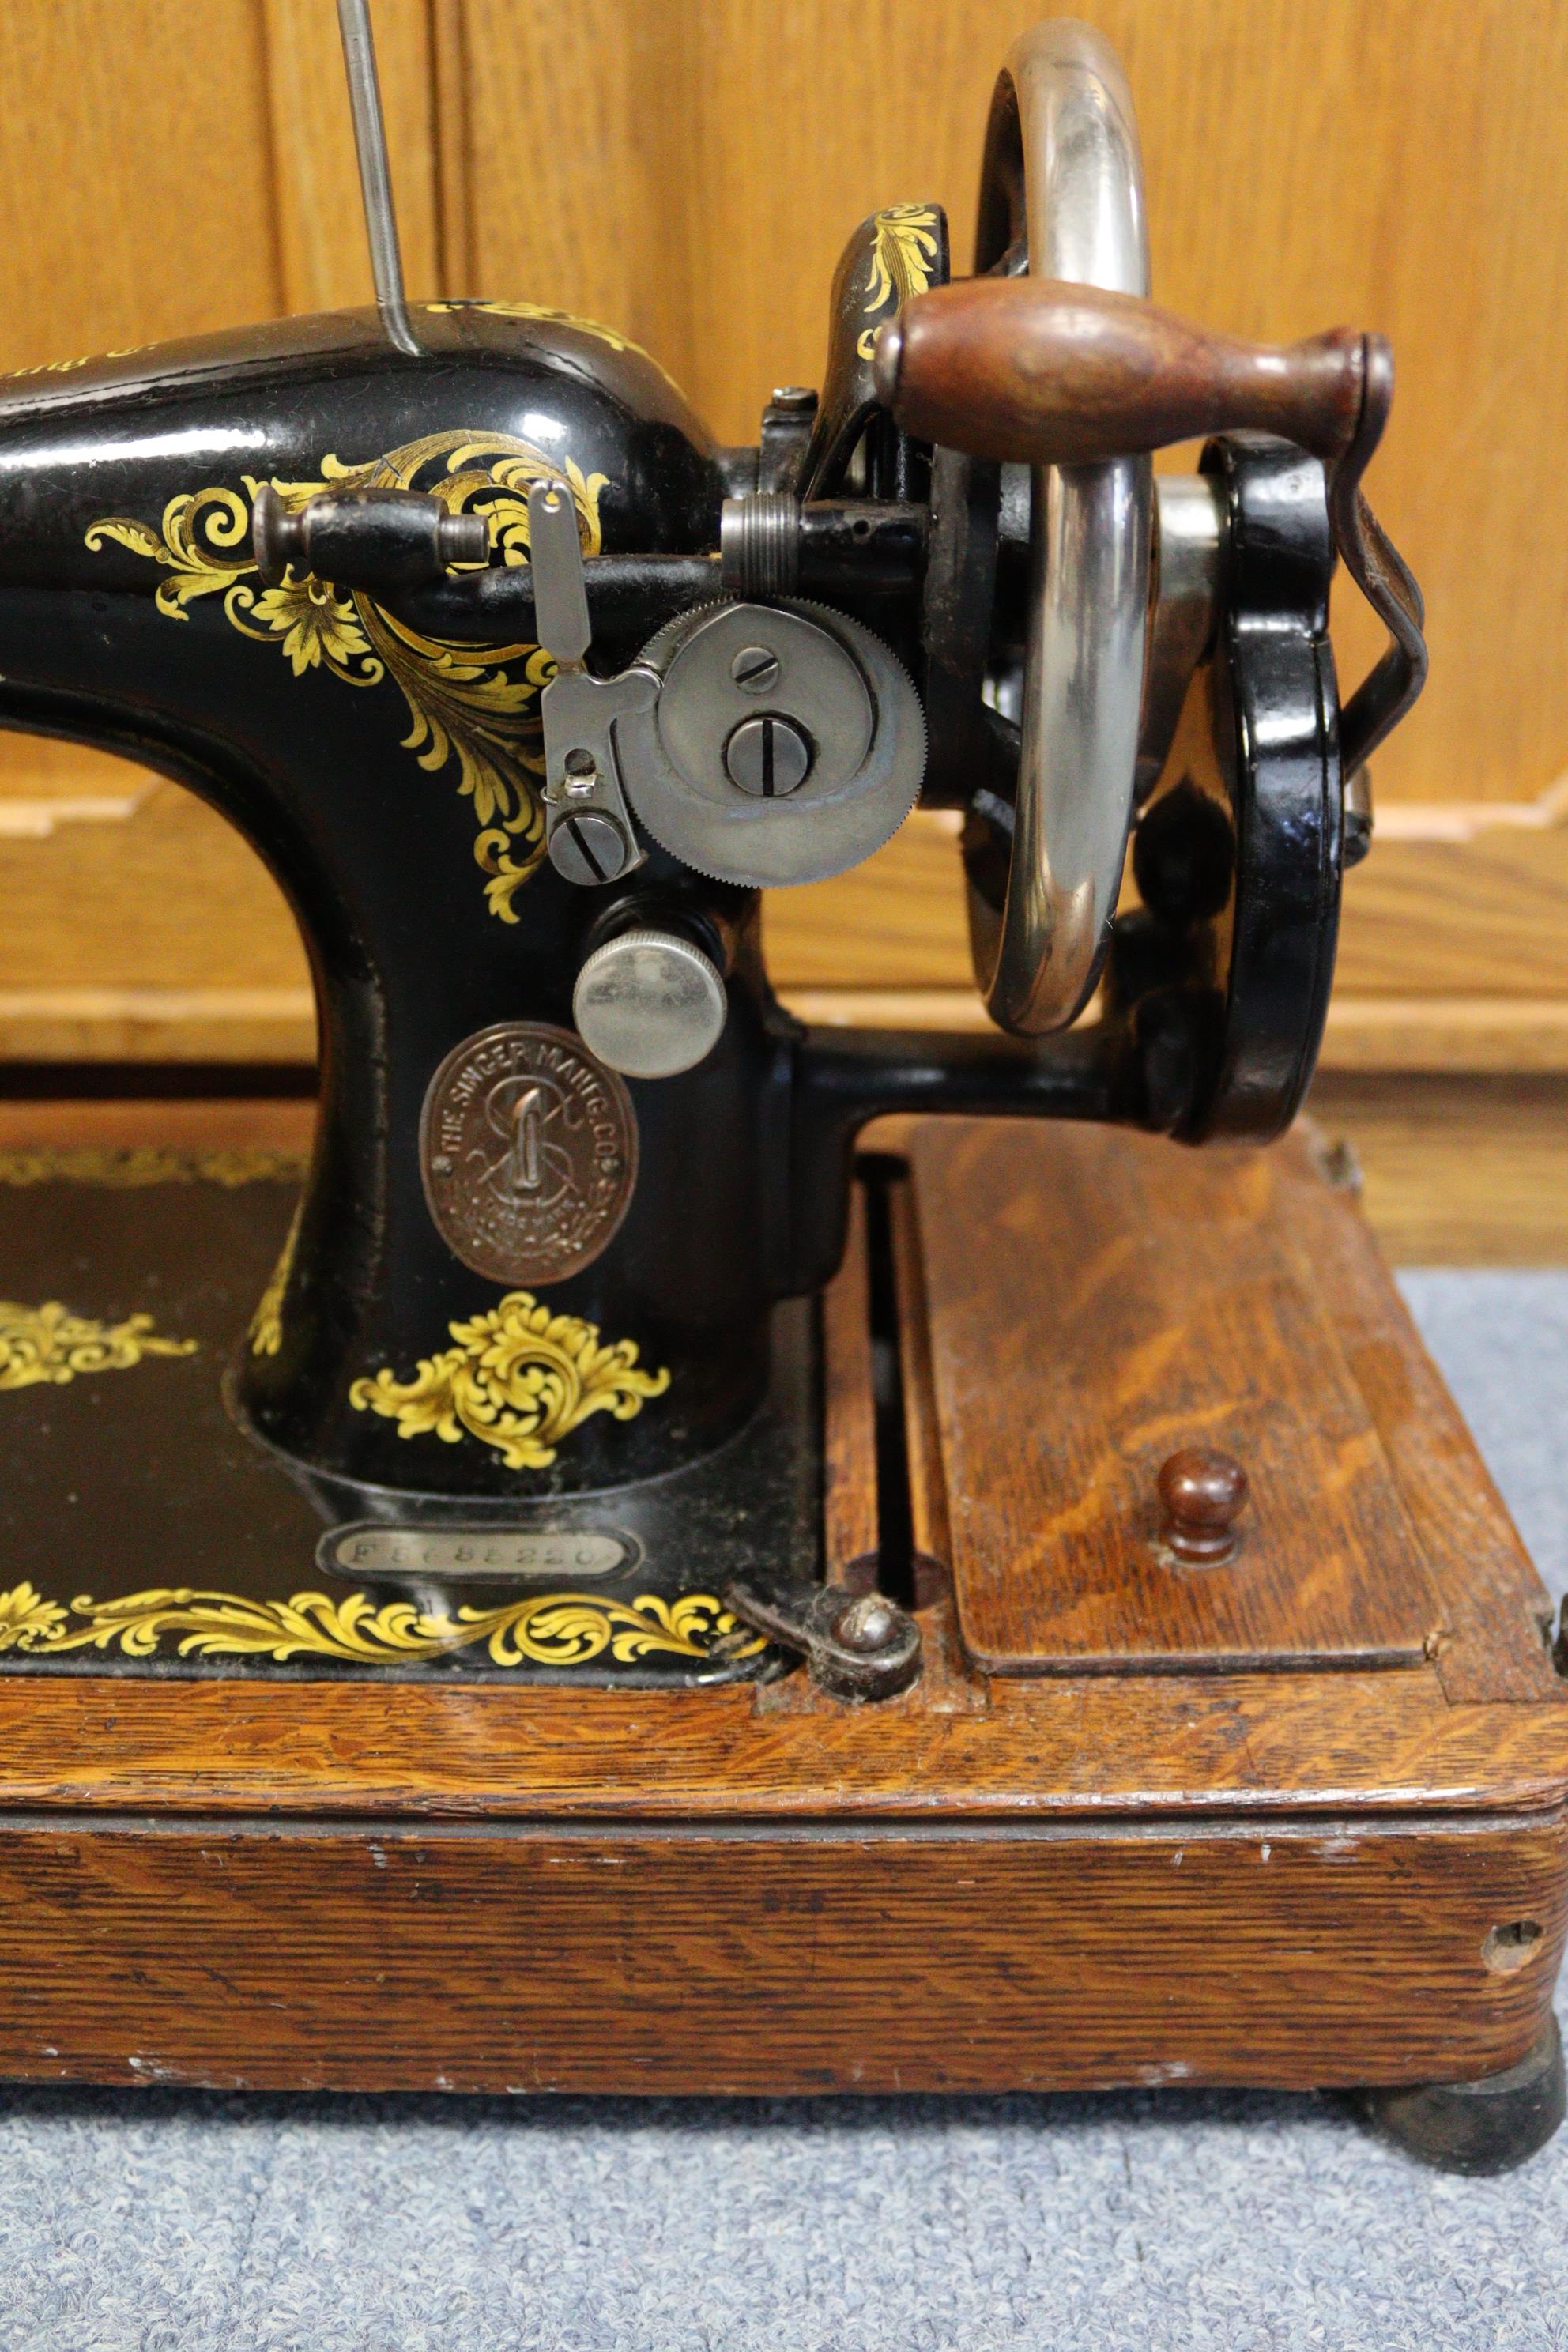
[1040,373]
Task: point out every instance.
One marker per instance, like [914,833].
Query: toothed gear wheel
[725,665]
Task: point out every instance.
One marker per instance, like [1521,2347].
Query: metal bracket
[589,831]
[1385,579]
[856,1645]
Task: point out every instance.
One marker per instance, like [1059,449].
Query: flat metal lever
[588,826]
[560,588]
[860,1646]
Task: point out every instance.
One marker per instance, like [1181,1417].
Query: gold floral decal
[903,254]
[520,1379]
[126,1169]
[549,1629]
[477,708]
[49,1343]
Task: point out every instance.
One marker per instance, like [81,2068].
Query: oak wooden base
[1306,1824]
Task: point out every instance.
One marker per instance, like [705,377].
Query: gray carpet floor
[155,2221]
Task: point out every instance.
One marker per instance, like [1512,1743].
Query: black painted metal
[895,466]
[135,1481]
[744,1160]
[1225,971]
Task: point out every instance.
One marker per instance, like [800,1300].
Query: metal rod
[375,179]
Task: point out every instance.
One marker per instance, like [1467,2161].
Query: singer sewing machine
[618,1581]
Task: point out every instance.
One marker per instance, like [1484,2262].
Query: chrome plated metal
[588,823]
[589,847]
[755,669]
[560,589]
[1191,538]
[650,1003]
[1386,696]
[837,685]
[375,1551]
[1063,166]
[374,175]
[759,544]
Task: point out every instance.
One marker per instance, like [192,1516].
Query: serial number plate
[491,1553]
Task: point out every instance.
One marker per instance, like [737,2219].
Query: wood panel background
[689,171]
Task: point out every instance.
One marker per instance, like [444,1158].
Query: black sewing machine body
[383,754]
[597,1369]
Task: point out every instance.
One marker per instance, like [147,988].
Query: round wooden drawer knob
[1203,1492]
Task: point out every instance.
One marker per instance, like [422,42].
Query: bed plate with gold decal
[143,1535]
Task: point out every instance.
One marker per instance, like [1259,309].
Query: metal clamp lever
[588,826]
[855,1645]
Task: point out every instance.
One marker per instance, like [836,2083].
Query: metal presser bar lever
[1042,372]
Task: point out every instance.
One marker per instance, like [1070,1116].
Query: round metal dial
[839,717]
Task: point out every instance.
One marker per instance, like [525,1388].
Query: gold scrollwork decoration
[546,1628]
[476,709]
[48,1343]
[519,1379]
[905,244]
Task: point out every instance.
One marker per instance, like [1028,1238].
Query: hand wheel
[1068,369]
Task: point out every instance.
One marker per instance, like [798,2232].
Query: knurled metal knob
[649,1004]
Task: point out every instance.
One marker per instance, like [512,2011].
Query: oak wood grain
[1455,1170]
[849,1526]
[390,1958]
[1132,1299]
[1454,951]
[1285,1878]
[1497,1618]
[136,195]
[1058,1747]
[630,161]
[1397,166]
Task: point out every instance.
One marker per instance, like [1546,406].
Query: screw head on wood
[1203,1492]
